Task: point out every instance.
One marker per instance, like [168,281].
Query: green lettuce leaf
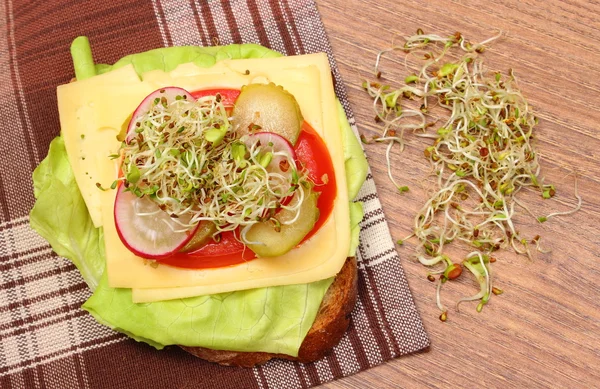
[169,58]
[355,161]
[356,216]
[356,172]
[61,217]
[274,319]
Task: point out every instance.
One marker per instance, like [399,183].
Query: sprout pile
[187,158]
[481,153]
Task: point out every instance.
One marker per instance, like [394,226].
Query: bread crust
[330,324]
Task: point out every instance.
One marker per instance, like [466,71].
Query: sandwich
[204,194]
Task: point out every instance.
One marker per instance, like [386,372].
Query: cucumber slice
[204,233]
[267,108]
[273,242]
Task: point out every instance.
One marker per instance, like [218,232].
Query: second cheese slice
[308,78]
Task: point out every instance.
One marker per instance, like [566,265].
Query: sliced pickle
[203,235]
[267,108]
[274,243]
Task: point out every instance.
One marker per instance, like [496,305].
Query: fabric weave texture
[47,340]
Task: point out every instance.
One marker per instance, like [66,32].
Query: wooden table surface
[544,331]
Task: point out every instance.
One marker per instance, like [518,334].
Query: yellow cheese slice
[308,78]
[91,118]
[302,265]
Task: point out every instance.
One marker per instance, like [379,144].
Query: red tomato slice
[228,96]
[228,251]
[311,153]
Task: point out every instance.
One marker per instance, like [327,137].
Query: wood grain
[544,331]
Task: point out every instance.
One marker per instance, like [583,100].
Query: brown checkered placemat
[46,339]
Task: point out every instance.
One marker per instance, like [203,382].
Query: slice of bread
[328,328]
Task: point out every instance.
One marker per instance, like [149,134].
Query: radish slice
[271,142]
[275,144]
[145,230]
[169,92]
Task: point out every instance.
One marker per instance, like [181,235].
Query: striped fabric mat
[46,339]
